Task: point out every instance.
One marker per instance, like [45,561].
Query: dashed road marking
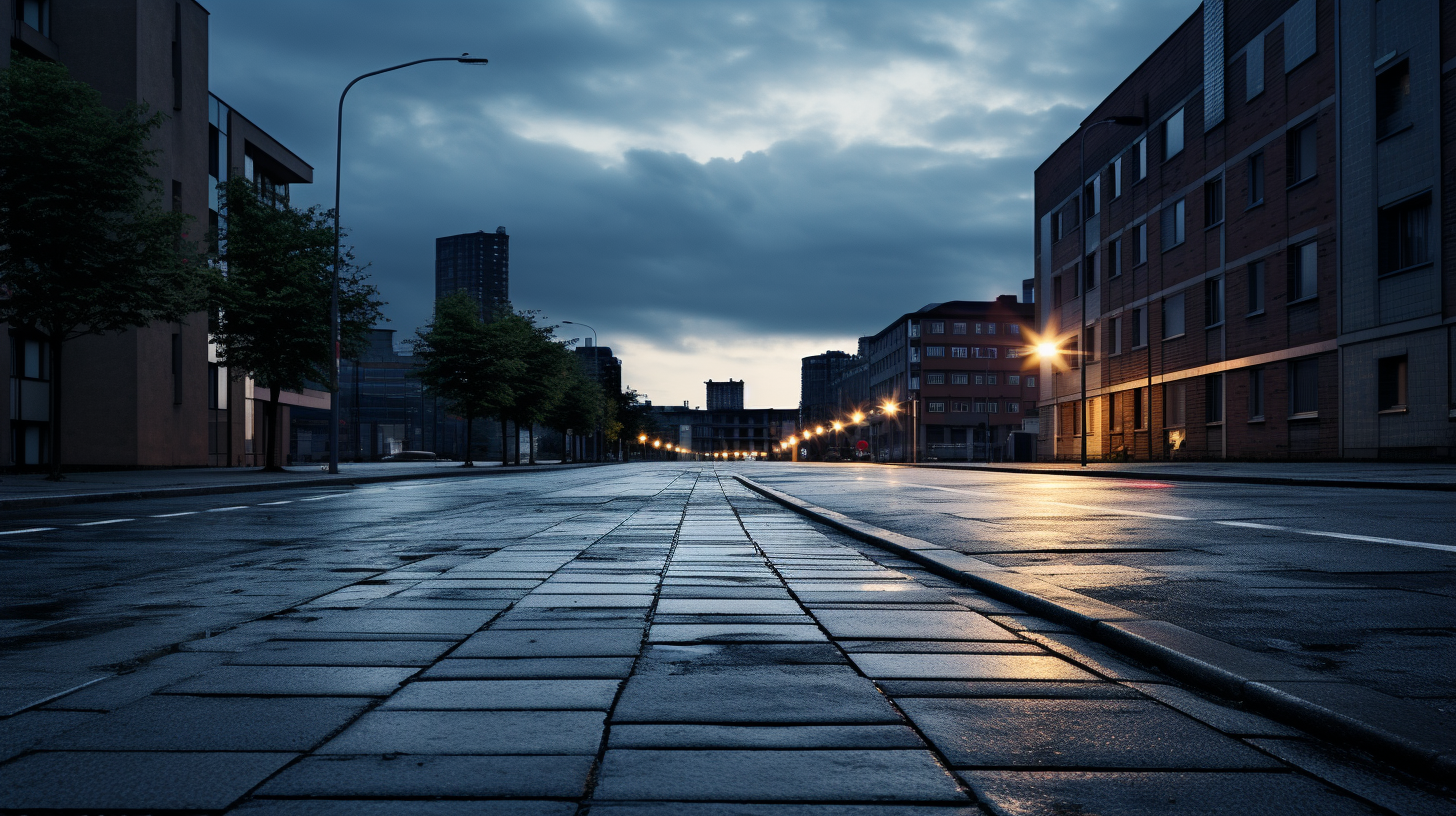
[108,521]
[174,515]
[27,530]
[225,509]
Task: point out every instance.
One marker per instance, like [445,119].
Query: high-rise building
[478,263]
[818,374]
[1259,268]
[601,366]
[725,396]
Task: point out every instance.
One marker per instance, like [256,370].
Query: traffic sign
[863,444]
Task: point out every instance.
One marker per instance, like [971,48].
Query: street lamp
[464,59]
[1129,121]
[595,344]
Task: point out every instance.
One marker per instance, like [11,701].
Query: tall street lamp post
[1084,270]
[464,59]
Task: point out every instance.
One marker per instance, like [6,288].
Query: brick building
[1252,271]
[965,362]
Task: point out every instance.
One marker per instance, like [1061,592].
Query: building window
[1392,100]
[1142,243]
[1089,341]
[1256,394]
[1013,328]
[1173,135]
[1073,354]
[1256,287]
[1114,258]
[990,379]
[980,379]
[1090,266]
[1140,409]
[36,14]
[1405,239]
[1256,179]
[1213,398]
[915,383]
[935,351]
[935,379]
[1303,271]
[1141,148]
[937,327]
[914,329]
[958,328]
[1115,335]
[1392,383]
[1172,316]
[935,407]
[1304,387]
[1139,327]
[990,328]
[1114,177]
[1031,382]
[1057,298]
[1213,302]
[1302,159]
[1173,217]
[1091,194]
[993,407]
[959,379]
[1213,203]
[1115,402]
[1013,407]
[1013,379]
[960,407]
[914,354]
[958,351]
[1175,404]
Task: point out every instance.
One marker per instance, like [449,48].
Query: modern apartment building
[154,396]
[964,365]
[725,396]
[478,263]
[718,430]
[818,376]
[1254,269]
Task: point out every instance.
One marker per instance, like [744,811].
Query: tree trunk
[55,424]
[531,443]
[505,448]
[270,460]
[516,426]
[469,423]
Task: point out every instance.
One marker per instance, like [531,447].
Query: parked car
[410,456]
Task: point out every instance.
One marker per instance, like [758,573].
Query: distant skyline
[719,188]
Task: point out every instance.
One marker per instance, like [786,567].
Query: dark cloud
[805,169]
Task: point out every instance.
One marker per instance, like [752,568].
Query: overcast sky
[719,188]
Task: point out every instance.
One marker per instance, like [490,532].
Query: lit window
[935,351]
[958,328]
[958,351]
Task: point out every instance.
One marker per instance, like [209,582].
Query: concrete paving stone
[1020,793]
[342,653]
[175,723]
[735,620]
[564,588]
[1029,623]
[918,625]
[569,576]
[303,681]
[726,606]
[594,695]
[756,593]
[1094,656]
[488,668]
[401,807]
[1074,734]
[940,647]
[682,658]
[90,781]
[572,618]
[762,694]
[815,597]
[461,594]
[442,622]
[1362,778]
[587,601]
[734,633]
[775,775]
[123,689]
[763,736]
[456,581]
[1224,718]
[471,733]
[967,667]
[552,643]
[396,602]
[426,775]
[1099,690]
[701,581]
[28,729]
[741,809]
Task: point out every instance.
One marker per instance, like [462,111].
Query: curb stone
[1413,737]
[40,502]
[1176,476]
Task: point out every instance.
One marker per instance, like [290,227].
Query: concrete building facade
[725,396]
[478,263]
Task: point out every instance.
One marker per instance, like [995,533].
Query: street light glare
[1047,349]
[838,426]
[858,417]
[890,408]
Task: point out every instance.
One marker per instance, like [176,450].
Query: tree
[536,382]
[465,362]
[85,244]
[272,303]
[633,416]
[578,403]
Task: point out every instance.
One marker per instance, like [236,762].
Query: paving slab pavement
[685,701]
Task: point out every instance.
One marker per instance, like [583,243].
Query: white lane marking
[1118,512]
[320,498]
[27,530]
[225,509]
[268,504]
[108,521]
[174,515]
[1399,542]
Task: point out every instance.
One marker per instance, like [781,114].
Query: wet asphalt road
[1286,571]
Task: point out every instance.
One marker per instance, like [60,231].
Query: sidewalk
[1386,475]
[32,490]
